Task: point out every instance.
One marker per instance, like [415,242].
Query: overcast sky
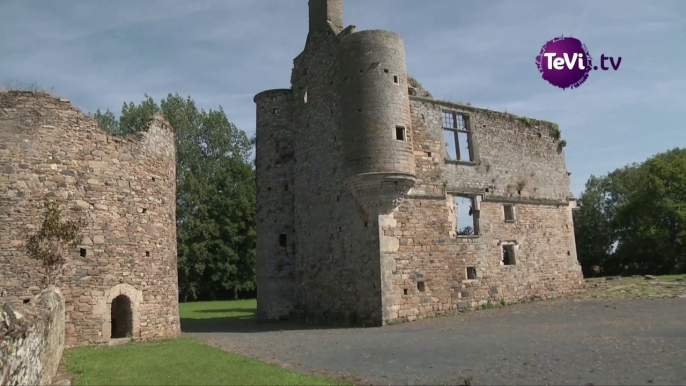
[101,53]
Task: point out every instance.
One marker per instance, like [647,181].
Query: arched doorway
[122,317]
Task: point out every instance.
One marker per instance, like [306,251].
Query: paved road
[559,342]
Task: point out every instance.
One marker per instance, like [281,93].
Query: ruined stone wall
[428,261]
[123,187]
[337,265]
[275,234]
[32,339]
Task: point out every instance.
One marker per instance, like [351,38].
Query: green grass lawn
[182,361]
[234,309]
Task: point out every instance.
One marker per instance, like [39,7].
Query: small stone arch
[122,313]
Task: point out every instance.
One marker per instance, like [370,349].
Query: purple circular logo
[564,62]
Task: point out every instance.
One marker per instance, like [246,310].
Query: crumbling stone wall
[406,262]
[32,339]
[123,187]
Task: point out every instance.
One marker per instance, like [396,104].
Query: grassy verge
[234,309]
[637,287]
[181,361]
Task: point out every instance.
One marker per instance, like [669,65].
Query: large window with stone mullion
[458,137]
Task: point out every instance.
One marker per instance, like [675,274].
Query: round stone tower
[377,142]
[122,281]
[274,158]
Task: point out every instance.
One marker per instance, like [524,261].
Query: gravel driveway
[559,342]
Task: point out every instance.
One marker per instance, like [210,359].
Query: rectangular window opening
[508,255]
[396,79]
[283,239]
[82,252]
[147,253]
[145,210]
[285,187]
[400,133]
[466,216]
[420,286]
[509,212]
[404,291]
[471,273]
[458,137]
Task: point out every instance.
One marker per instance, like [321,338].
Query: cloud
[100,54]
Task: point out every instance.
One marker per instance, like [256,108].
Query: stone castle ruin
[377,202]
[122,282]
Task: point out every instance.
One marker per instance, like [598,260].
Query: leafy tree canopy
[215,203]
[633,220]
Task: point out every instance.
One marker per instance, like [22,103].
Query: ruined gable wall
[428,249]
[124,187]
[337,253]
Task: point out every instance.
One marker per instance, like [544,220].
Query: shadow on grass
[246,324]
[243,323]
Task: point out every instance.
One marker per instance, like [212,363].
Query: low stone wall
[32,339]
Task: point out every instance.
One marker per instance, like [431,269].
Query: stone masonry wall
[409,263]
[419,238]
[275,233]
[123,187]
[32,339]
[337,265]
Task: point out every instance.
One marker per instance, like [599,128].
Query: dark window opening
[285,188]
[466,216]
[275,111]
[147,253]
[385,70]
[471,273]
[338,198]
[420,286]
[145,210]
[404,291]
[26,301]
[569,253]
[82,252]
[396,80]
[400,133]
[283,239]
[509,213]
[458,137]
[366,224]
[428,154]
[153,179]
[122,317]
[508,255]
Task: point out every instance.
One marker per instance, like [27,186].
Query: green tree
[215,204]
[632,220]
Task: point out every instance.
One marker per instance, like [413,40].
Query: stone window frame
[467,119]
[512,254]
[476,215]
[514,212]
[404,133]
[476,275]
